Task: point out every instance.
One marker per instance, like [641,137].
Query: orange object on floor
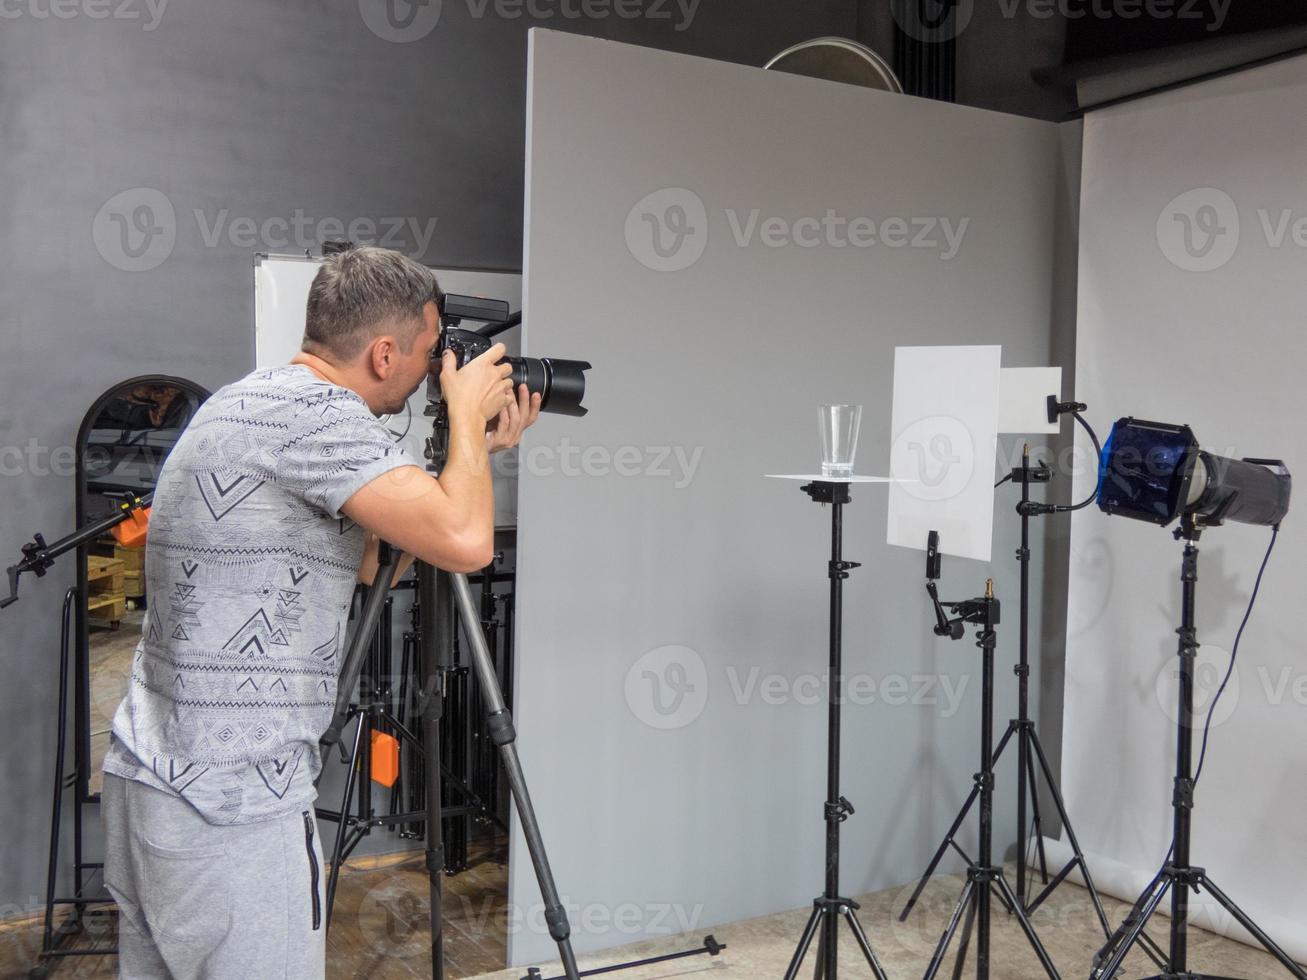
[385,759]
[131,532]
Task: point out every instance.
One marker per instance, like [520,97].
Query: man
[261,519]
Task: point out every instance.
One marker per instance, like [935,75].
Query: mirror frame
[82,698]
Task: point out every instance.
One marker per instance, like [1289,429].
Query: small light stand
[830,906]
[983,876]
[1178,875]
[1029,748]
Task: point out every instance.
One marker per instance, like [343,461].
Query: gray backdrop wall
[243,111]
[672,601]
[248,111]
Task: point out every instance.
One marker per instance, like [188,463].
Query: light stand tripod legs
[1242,918]
[830,907]
[1132,928]
[435,652]
[342,829]
[948,840]
[500,727]
[1179,875]
[964,905]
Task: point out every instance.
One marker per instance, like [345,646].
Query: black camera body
[561,383]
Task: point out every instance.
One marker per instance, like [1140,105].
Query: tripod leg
[1128,933]
[1029,930]
[809,931]
[819,968]
[964,904]
[1036,822]
[500,726]
[338,848]
[960,963]
[939,854]
[865,944]
[1242,918]
[948,838]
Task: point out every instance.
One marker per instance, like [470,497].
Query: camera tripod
[984,878]
[445,594]
[1029,751]
[829,907]
[1178,876]
[374,711]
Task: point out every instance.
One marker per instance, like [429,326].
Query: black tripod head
[983,611]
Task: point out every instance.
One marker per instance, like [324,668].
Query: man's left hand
[506,431]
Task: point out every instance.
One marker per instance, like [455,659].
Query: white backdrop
[1191,300]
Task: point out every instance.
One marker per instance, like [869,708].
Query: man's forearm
[466,478]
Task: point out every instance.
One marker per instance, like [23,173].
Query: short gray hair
[362,292]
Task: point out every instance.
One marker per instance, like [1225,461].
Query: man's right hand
[481,388]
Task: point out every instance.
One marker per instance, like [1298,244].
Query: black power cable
[1234,653]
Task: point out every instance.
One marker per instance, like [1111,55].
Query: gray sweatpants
[199,901]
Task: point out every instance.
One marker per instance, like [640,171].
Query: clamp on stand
[984,878]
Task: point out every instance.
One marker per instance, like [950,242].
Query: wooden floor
[379,930]
[109,654]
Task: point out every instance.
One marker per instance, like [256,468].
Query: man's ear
[383,355]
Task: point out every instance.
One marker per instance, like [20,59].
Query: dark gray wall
[244,110]
[250,111]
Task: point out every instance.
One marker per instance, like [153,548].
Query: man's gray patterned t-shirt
[250,569]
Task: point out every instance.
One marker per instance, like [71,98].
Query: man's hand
[506,431]
[480,386]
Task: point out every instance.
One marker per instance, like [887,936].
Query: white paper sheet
[1023,399]
[943,431]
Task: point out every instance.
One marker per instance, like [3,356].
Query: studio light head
[1151,471]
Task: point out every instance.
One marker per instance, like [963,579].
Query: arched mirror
[121,447]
